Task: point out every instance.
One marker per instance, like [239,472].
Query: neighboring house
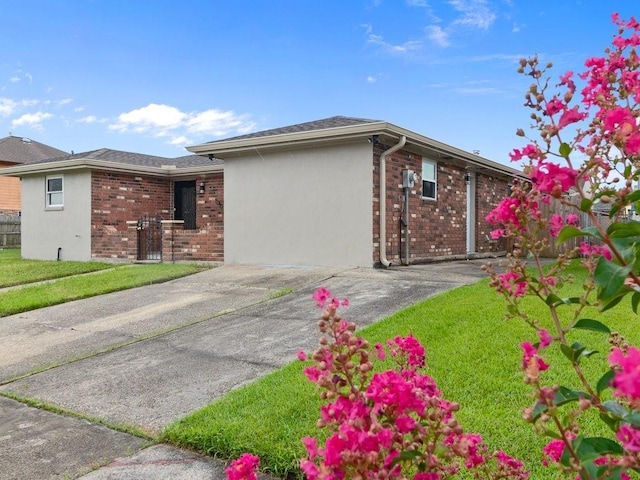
[108,204]
[332,192]
[19,151]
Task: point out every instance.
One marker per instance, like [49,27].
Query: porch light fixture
[373,139]
[201,188]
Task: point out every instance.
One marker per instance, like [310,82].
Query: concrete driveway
[148,356]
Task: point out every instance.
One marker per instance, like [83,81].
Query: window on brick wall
[429,179]
[184,203]
[54,195]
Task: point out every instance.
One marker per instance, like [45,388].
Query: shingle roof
[24,150]
[331,122]
[130,158]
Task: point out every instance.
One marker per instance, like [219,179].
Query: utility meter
[409,178]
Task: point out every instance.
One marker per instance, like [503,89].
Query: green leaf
[565,150]
[565,395]
[554,300]
[568,232]
[593,447]
[633,418]
[576,352]
[609,278]
[406,455]
[635,301]
[605,381]
[592,325]
[585,204]
[633,197]
[623,229]
[615,409]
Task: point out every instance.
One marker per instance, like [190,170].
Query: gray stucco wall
[300,207]
[44,230]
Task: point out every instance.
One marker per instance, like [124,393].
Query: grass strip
[473,354]
[18,271]
[74,288]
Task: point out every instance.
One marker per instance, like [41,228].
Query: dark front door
[184,202]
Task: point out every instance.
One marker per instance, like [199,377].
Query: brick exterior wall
[118,200]
[437,228]
[206,242]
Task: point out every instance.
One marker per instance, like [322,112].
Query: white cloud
[475,13]
[372,79]
[65,101]
[33,120]
[152,117]
[400,49]
[7,106]
[160,120]
[438,36]
[14,79]
[417,3]
[180,141]
[88,119]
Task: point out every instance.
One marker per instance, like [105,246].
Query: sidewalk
[148,356]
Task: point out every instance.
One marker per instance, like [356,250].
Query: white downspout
[383,200]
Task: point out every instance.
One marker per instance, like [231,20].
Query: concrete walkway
[145,357]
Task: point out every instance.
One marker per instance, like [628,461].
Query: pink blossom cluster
[626,383]
[375,417]
[589,250]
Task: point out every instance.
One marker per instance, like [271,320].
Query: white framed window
[429,179]
[54,195]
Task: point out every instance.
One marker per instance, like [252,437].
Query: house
[19,151]
[339,191]
[354,192]
[109,204]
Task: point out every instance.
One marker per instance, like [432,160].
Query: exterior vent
[26,140]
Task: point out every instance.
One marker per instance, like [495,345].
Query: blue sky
[155,76]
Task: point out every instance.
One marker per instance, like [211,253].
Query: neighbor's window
[55,194]
[429,183]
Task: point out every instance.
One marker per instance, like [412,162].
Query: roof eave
[91,164]
[235,148]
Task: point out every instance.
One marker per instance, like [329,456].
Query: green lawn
[472,352]
[17,271]
[107,278]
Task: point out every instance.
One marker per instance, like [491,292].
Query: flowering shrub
[595,169]
[393,424]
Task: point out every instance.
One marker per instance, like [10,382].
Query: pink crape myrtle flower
[531,362]
[243,468]
[587,250]
[552,452]
[572,219]
[626,382]
[512,285]
[570,116]
[497,233]
[555,224]
[531,151]
[553,179]
[321,296]
[545,338]
[409,347]
[629,438]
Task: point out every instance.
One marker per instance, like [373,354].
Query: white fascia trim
[231,148]
[223,147]
[164,171]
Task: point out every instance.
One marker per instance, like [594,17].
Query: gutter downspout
[383,200]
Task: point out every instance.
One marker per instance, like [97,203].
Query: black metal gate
[149,238]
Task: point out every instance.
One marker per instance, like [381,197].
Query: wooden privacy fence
[584,221]
[9,231]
